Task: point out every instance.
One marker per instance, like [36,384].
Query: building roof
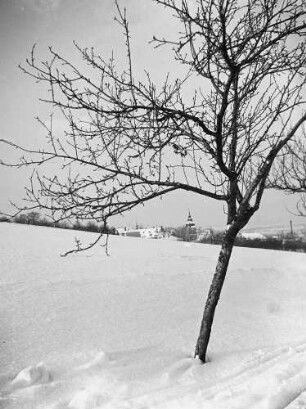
[190,222]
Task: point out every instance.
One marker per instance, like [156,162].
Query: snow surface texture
[90,331]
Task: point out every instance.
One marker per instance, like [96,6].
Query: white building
[146,233]
[253,236]
[152,233]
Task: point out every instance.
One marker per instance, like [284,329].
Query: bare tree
[289,172]
[33,217]
[130,141]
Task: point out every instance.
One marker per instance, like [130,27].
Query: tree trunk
[214,293]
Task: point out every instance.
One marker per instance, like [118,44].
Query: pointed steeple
[191,228]
[190,222]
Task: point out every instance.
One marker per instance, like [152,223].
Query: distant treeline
[284,241]
[36,219]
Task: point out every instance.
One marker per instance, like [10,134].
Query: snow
[90,331]
[31,375]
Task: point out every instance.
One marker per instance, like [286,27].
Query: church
[191,229]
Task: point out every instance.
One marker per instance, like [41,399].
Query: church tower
[191,228]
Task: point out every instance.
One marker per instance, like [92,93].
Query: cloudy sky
[58,23]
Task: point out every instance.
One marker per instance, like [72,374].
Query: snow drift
[90,331]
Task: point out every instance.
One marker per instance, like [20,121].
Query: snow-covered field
[90,331]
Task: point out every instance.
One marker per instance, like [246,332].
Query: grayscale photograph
[153,204]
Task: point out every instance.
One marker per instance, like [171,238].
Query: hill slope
[90,331]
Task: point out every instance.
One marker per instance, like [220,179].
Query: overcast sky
[58,23]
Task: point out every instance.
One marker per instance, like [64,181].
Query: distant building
[205,234]
[191,229]
[123,231]
[146,233]
[253,236]
[152,233]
